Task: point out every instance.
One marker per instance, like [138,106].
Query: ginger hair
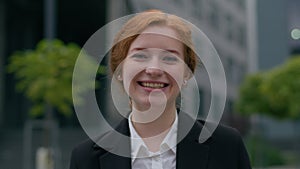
[135,26]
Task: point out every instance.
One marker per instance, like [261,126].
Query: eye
[170,59]
[140,56]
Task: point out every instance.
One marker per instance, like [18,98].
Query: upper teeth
[153,85]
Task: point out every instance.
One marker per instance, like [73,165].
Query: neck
[158,123]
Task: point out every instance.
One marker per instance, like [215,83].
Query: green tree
[44,75]
[275,92]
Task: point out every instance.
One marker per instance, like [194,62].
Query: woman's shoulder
[223,132]
[88,147]
[87,144]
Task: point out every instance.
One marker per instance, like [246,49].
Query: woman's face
[154,70]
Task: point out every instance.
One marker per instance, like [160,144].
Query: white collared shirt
[165,158]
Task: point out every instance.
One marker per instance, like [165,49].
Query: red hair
[132,28]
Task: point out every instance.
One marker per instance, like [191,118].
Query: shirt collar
[139,148]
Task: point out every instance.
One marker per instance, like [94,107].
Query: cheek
[177,76]
[129,71]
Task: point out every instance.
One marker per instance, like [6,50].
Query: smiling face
[154,66]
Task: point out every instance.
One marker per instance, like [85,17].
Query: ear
[187,75]
[119,77]
[184,84]
[118,74]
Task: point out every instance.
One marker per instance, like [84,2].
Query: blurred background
[258,42]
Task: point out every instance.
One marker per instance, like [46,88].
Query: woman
[153,59]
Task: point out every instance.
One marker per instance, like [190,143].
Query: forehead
[161,30]
[161,37]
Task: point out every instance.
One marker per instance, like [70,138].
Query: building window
[241,4]
[241,36]
[229,69]
[213,16]
[178,2]
[229,27]
[197,8]
[241,73]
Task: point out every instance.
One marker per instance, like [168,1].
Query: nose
[153,71]
[153,67]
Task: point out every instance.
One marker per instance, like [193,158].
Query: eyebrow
[137,48]
[164,50]
[173,51]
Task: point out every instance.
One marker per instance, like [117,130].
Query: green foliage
[275,92]
[45,75]
[251,99]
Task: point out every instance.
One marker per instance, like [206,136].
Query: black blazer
[223,150]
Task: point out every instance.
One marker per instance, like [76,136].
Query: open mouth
[154,85]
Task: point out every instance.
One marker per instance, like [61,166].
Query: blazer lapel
[110,160]
[190,153]
[118,143]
